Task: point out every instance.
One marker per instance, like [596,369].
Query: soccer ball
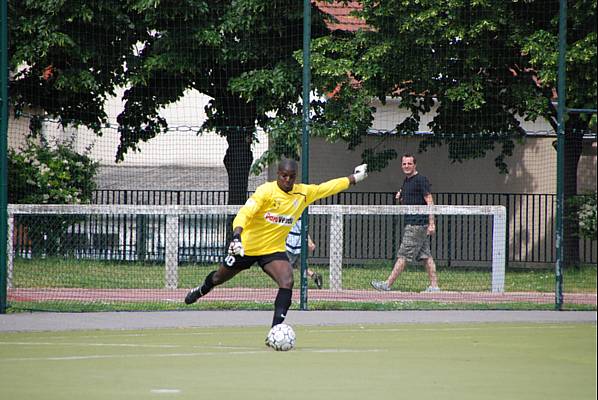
[281,337]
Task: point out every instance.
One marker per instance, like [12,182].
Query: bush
[49,174]
[44,174]
[585,207]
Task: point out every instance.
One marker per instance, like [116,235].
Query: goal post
[499,229]
[170,212]
[336,239]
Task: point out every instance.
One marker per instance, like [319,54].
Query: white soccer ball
[281,337]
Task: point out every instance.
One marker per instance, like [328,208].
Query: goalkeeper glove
[360,173]
[235,248]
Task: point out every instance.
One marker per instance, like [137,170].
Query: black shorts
[245,262]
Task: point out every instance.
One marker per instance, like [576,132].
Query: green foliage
[67,56]
[42,173]
[584,207]
[240,53]
[481,66]
[378,161]
[486,65]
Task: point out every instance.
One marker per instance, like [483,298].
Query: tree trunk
[235,120]
[238,161]
[572,148]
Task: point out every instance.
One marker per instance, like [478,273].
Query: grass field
[408,361]
[93,274]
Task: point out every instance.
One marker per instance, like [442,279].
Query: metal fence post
[171,252]
[336,252]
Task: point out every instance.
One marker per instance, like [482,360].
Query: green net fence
[155,120]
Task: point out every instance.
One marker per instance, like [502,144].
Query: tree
[484,63]
[240,53]
[49,173]
[68,56]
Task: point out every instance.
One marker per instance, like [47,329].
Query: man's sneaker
[381,286]
[432,289]
[317,280]
[193,295]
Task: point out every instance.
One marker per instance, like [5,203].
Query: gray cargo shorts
[415,245]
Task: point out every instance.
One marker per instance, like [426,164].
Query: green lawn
[527,361]
[93,274]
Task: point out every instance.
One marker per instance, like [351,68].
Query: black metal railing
[460,240]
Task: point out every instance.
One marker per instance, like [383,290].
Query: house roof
[341,12]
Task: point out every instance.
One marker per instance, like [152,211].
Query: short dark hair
[287,163]
[410,155]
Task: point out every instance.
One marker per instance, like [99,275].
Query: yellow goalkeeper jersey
[270,213]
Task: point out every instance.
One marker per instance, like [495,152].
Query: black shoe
[193,295]
[318,280]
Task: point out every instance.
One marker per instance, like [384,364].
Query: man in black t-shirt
[415,245]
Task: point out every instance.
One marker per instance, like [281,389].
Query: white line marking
[494,328]
[165,391]
[202,354]
[133,345]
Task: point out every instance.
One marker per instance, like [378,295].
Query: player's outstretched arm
[359,174]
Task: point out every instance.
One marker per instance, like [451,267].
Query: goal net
[73,257]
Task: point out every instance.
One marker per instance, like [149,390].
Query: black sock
[281,305]
[208,284]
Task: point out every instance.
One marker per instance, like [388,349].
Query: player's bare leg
[282,273]
[394,274]
[397,270]
[431,268]
[214,278]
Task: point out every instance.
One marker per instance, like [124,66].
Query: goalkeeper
[261,227]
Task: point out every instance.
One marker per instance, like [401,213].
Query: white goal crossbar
[336,212]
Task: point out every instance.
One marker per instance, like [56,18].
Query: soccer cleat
[432,289]
[381,286]
[193,295]
[317,280]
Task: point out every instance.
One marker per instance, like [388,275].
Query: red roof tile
[342,13]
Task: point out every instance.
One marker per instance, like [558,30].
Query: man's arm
[431,222]
[334,186]
[311,246]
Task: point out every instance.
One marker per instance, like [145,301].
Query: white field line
[165,391]
[197,354]
[129,345]
[73,344]
[126,335]
[460,329]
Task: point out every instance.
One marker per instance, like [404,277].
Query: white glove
[235,248]
[360,173]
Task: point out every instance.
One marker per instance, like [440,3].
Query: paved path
[22,322]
